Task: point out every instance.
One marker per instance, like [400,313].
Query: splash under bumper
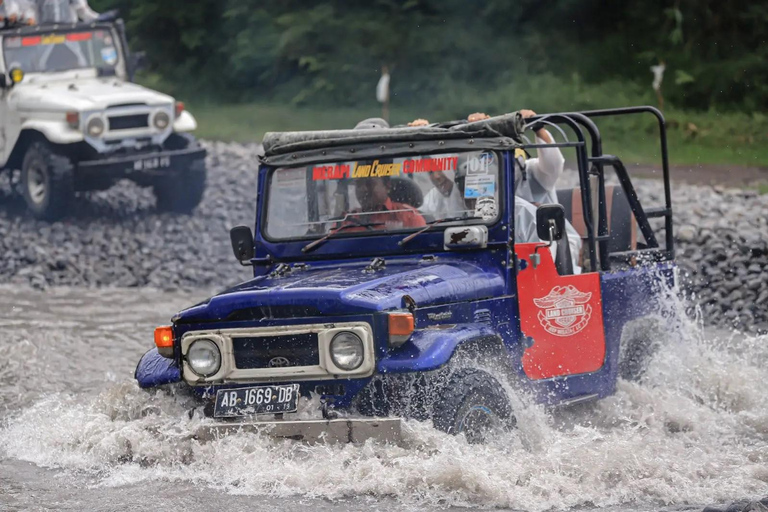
[335,431]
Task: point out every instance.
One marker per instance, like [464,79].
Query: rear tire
[640,341]
[473,403]
[47,181]
[181,193]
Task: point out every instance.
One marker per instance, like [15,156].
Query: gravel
[116,238]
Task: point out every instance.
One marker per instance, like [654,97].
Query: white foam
[694,431]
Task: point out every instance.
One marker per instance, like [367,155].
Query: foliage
[331,52]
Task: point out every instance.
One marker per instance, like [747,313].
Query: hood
[349,290]
[81,94]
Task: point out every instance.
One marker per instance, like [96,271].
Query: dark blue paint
[429,349]
[155,370]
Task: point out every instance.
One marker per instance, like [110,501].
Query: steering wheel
[367,225]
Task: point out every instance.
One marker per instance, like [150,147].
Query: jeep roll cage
[503,133]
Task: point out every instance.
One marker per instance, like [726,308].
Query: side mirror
[550,222]
[242,244]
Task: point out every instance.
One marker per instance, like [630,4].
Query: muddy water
[77,434]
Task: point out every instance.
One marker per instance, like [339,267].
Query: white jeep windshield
[61,51]
[391,194]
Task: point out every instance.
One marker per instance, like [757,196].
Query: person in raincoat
[65,11]
[536,180]
[17,12]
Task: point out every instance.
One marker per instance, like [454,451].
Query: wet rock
[687,233]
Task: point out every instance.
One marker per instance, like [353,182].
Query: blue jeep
[367,307]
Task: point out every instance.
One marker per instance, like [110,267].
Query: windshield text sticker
[438,164]
[378,168]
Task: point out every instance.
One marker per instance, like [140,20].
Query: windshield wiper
[432,224]
[355,224]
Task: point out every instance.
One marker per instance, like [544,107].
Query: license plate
[256,400]
[150,164]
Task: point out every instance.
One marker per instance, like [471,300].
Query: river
[76,433]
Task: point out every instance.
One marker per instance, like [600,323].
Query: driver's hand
[419,122]
[477,116]
[527,113]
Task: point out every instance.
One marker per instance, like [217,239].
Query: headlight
[95,126]
[204,357]
[162,120]
[347,351]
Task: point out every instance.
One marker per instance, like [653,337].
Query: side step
[335,431]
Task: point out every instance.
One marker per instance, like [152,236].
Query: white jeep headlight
[204,357]
[95,126]
[161,120]
[347,351]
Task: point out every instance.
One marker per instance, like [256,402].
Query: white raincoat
[539,187]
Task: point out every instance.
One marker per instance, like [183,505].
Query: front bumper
[336,431]
[140,164]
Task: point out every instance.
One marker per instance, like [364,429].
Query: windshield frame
[47,30]
[264,198]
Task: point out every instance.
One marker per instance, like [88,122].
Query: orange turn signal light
[179,108]
[164,337]
[73,120]
[400,324]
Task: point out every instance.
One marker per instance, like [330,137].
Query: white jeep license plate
[256,400]
[150,164]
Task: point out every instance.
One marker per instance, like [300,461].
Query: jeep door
[561,317]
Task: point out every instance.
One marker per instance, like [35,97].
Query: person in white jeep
[72,121]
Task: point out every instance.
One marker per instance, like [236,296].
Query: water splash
[693,430]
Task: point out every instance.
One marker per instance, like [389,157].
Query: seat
[405,190]
[622,227]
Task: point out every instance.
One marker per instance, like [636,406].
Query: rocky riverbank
[116,238]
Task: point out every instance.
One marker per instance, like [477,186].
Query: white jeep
[71,120]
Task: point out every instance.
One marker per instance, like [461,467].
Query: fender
[155,370]
[185,123]
[57,132]
[429,349]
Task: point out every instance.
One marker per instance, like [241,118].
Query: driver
[373,196]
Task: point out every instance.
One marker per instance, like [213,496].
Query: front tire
[47,181]
[181,193]
[475,404]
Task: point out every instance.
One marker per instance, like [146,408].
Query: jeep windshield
[52,52]
[361,197]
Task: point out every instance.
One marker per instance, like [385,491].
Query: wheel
[472,402]
[47,181]
[181,192]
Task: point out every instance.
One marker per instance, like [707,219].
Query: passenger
[65,11]
[17,12]
[538,184]
[445,199]
[373,196]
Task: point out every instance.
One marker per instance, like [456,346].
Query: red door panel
[563,315]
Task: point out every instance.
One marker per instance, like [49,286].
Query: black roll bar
[667,213]
[598,160]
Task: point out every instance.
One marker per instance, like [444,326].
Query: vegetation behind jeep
[71,120]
